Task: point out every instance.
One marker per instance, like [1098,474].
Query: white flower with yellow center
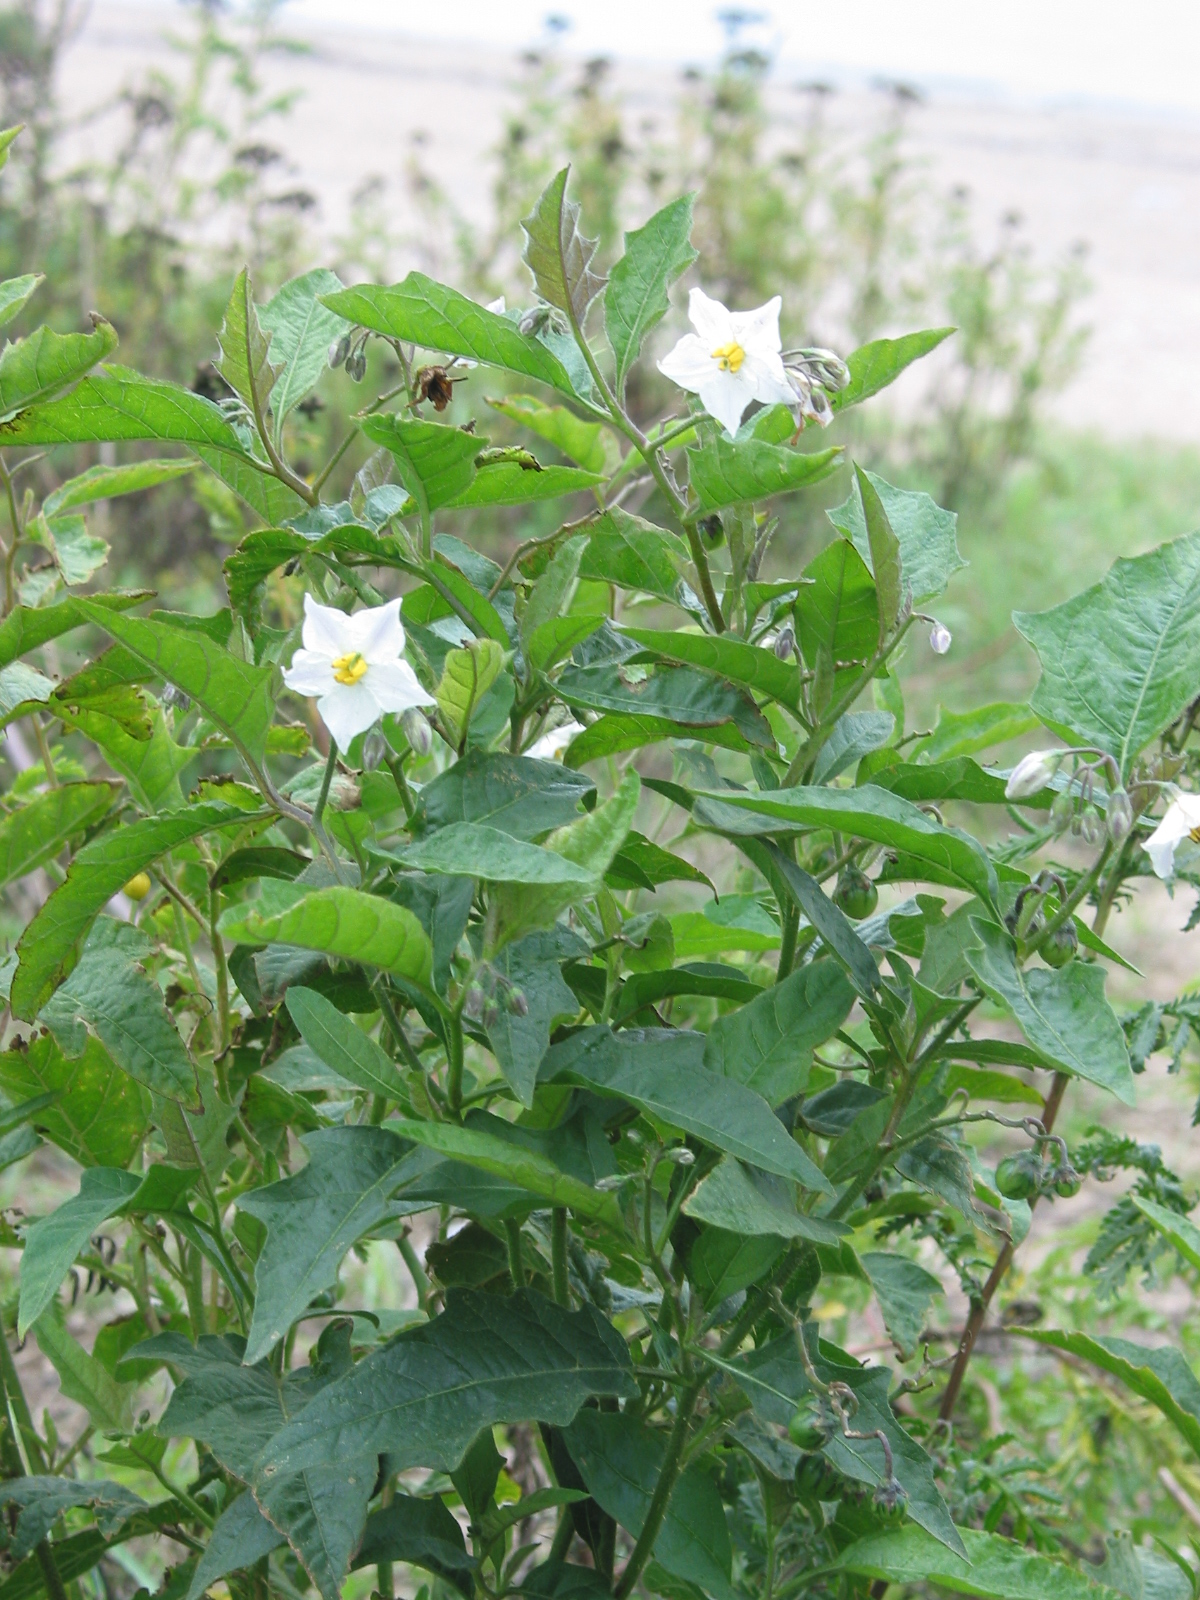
[732,359]
[354,667]
[1182,821]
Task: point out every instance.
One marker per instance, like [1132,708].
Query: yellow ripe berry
[138,886]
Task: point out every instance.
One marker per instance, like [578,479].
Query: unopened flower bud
[939,638]
[681,1156]
[474,1003]
[607,1185]
[356,365]
[171,696]
[491,1014]
[1062,812]
[339,350]
[785,643]
[415,727]
[1120,816]
[1091,826]
[1031,774]
[518,1006]
[373,750]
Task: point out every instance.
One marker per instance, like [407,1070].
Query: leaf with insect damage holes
[558,254]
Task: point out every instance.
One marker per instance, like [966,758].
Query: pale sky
[1141,52]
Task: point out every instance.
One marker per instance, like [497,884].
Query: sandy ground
[1128,185]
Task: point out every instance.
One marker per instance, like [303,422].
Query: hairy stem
[559,1238]
[668,1473]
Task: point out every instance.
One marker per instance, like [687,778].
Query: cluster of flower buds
[1076,810]
[541,319]
[490,994]
[342,352]
[813,375]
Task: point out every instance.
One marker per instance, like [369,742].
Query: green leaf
[245,364]
[1062,1013]
[559,256]
[312,1219]
[77,553]
[969,733]
[474,850]
[633,554]
[478,611]
[992,1567]
[620,1459]
[253,482]
[520,1040]
[336,1040]
[1162,1376]
[1181,1232]
[768,1044]
[636,297]
[424,1397]
[854,735]
[466,677]
[518,795]
[926,534]
[905,1292]
[53,1242]
[747,1202]
[105,483]
[746,664]
[241,1536]
[589,444]
[301,329]
[237,1410]
[39,830]
[611,734]
[339,922]
[864,813]
[151,767]
[1120,661]
[883,547]
[553,641]
[590,842]
[26,628]
[422,312]
[108,994]
[774,1380]
[837,616]
[727,472]
[485,1142]
[434,462]
[97,1115]
[235,695]
[721,1264]
[681,696]
[551,594]
[42,1500]
[36,368]
[119,403]
[510,483]
[661,1072]
[422,1533]
[16,292]
[641,864]
[873,366]
[81,1377]
[48,949]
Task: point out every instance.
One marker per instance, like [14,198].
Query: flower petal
[551,745]
[310,673]
[768,380]
[347,710]
[758,331]
[714,323]
[725,396]
[378,633]
[1182,815]
[326,629]
[689,364]
[396,687]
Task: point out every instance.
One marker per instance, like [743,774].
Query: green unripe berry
[1061,946]
[1067,1183]
[855,895]
[809,1430]
[1017,1177]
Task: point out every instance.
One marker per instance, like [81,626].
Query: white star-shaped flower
[1181,822]
[732,359]
[354,667]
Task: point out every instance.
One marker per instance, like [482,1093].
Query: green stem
[516,1265]
[787,946]
[19,1406]
[39,734]
[559,1238]
[185,1499]
[808,752]
[10,549]
[10,1460]
[224,1021]
[326,781]
[415,1270]
[454,1054]
[657,1509]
